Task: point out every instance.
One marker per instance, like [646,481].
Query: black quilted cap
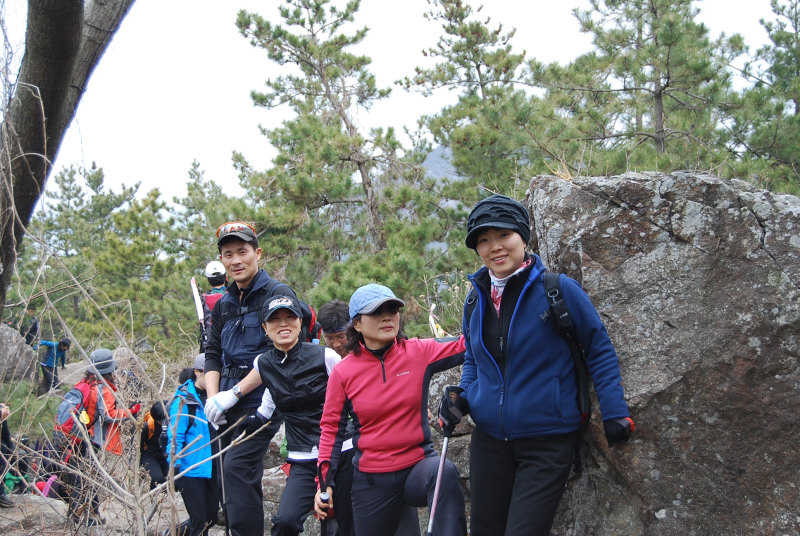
[497,212]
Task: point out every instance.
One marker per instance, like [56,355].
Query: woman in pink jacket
[383,384]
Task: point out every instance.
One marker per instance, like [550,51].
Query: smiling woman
[383,384]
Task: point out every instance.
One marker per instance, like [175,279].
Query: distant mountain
[438,164]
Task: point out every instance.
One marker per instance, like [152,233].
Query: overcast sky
[174,85]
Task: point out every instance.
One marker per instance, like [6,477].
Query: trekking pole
[198,305]
[446,432]
[324,497]
[224,498]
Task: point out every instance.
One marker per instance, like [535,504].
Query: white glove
[217,405]
[218,423]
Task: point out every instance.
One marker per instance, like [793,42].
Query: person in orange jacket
[102,418]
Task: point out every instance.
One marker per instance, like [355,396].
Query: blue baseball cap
[368,298]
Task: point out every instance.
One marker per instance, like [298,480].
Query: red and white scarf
[499,284]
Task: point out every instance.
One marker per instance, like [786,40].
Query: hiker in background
[383,383]
[96,411]
[56,351]
[29,325]
[519,385]
[236,337]
[334,317]
[151,452]
[215,273]
[189,443]
[5,439]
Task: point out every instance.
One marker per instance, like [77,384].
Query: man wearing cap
[56,351]
[102,419]
[235,339]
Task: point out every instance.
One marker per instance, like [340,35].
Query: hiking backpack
[75,412]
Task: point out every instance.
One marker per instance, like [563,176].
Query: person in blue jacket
[56,351]
[518,382]
[189,444]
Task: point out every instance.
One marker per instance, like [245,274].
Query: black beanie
[497,212]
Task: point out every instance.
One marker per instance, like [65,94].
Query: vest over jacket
[236,335]
[297,381]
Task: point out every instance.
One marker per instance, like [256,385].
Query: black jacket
[297,382]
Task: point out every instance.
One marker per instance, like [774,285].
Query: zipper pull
[501,344]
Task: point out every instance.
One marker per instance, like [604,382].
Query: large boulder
[698,281]
[17,360]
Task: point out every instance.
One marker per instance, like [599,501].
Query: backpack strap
[470,304]
[562,322]
[190,402]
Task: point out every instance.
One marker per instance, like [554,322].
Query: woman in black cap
[518,381]
[295,375]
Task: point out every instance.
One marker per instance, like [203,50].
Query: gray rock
[17,360]
[698,281]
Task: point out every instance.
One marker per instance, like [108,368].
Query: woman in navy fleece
[518,381]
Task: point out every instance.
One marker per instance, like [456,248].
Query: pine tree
[476,60]
[765,119]
[340,206]
[649,95]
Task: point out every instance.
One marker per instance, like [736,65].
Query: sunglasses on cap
[233,227]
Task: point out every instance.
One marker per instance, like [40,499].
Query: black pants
[49,377]
[242,471]
[516,485]
[157,468]
[200,497]
[380,499]
[83,500]
[297,501]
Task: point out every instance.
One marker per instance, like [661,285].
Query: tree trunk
[658,119]
[64,41]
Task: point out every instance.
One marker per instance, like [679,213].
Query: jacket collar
[282,356]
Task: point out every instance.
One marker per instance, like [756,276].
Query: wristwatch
[237,391]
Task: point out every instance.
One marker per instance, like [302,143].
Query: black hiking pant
[380,500]
[200,497]
[157,467]
[83,500]
[49,378]
[516,485]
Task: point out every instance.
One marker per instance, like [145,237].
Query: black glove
[452,408]
[618,430]
[251,424]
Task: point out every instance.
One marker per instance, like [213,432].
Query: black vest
[297,381]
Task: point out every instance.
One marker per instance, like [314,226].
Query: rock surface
[17,360]
[698,281]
